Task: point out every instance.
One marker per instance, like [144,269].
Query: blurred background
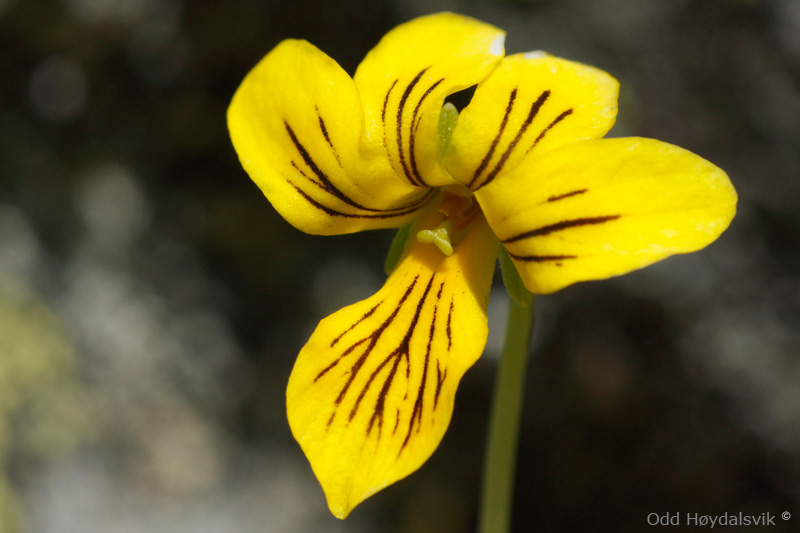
[152,302]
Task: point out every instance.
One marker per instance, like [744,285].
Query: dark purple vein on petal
[383,116]
[561,226]
[416,413]
[541,258]
[372,340]
[400,108]
[440,377]
[448,329]
[357,322]
[558,119]
[402,352]
[324,182]
[306,176]
[535,107]
[558,197]
[413,134]
[336,361]
[321,176]
[380,403]
[324,131]
[496,139]
[386,101]
[401,211]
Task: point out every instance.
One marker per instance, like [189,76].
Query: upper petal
[372,392]
[601,208]
[530,104]
[297,124]
[403,82]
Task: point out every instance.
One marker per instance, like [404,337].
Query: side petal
[297,125]
[372,392]
[403,82]
[604,207]
[530,104]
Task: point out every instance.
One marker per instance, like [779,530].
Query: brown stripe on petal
[334,213]
[379,370]
[383,116]
[380,403]
[558,197]
[372,340]
[324,182]
[400,108]
[541,258]
[321,176]
[402,352]
[336,361]
[386,101]
[324,208]
[412,134]
[493,146]
[324,131]
[357,322]
[535,107]
[449,330]
[560,226]
[416,413]
[418,202]
[558,119]
[440,377]
[306,176]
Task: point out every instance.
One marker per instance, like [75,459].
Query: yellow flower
[523,165]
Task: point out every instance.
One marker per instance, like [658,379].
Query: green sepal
[513,282]
[396,249]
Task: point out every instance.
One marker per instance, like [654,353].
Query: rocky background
[152,302]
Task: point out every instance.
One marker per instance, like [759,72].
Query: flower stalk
[500,458]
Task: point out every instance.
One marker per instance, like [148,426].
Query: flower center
[459,209]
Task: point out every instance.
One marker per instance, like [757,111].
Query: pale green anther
[447,123]
[440,236]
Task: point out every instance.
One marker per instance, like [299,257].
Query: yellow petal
[530,104]
[403,82]
[604,207]
[372,392]
[297,124]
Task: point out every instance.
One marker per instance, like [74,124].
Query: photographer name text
[718,520]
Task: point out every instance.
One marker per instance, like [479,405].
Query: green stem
[501,451]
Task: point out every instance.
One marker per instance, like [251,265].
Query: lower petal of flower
[372,392]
